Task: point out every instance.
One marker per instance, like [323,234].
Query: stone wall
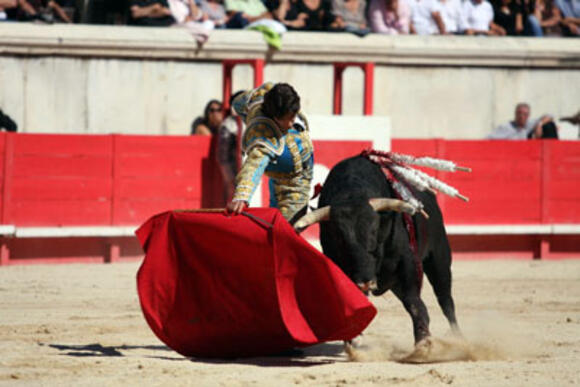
[106,79]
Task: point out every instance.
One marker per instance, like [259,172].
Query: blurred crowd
[393,17]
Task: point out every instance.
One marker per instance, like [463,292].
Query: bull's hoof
[351,352]
[357,342]
[421,353]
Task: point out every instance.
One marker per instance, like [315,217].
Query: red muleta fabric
[213,285]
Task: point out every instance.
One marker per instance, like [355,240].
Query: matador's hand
[236,206]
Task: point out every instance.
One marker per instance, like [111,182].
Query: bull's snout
[365,287]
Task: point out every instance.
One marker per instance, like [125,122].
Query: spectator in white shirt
[426,17]
[479,18]
[522,127]
[452,15]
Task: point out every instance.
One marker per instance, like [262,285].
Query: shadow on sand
[325,353]
[320,354]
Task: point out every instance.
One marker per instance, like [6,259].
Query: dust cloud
[486,336]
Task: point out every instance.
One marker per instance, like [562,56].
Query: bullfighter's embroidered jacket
[285,157]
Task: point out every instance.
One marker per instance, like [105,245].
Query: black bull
[373,248]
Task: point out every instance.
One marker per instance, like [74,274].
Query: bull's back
[355,177]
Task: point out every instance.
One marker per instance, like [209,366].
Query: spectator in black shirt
[308,15]
[6,5]
[150,13]
[47,11]
[509,17]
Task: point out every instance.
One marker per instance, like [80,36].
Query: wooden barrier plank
[63,144]
[60,179]
[65,165]
[504,187]
[562,193]
[158,173]
[160,188]
[134,211]
[416,147]
[59,188]
[60,212]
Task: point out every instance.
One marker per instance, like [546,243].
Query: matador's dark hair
[281,100]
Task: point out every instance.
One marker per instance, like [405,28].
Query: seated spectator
[452,15]
[229,152]
[4,5]
[188,14]
[211,120]
[426,17]
[350,16]
[522,127]
[153,13]
[570,10]
[479,19]
[215,11]
[185,11]
[243,12]
[509,17]
[391,17]
[7,123]
[549,18]
[42,10]
[307,15]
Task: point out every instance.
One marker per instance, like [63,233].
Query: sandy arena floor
[81,325]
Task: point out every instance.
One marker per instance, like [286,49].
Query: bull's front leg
[408,291]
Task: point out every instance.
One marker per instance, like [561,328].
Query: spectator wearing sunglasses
[210,122]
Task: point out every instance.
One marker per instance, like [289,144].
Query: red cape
[212,285]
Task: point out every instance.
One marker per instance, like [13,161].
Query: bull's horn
[382,204]
[312,217]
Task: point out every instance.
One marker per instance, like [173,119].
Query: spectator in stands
[4,5]
[426,17]
[229,154]
[215,11]
[243,12]
[7,123]
[350,16]
[42,10]
[391,17]
[211,120]
[150,13]
[184,11]
[509,17]
[452,15]
[479,18]
[548,17]
[570,10]
[522,127]
[308,15]
[189,15]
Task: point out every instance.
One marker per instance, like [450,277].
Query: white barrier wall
[104,79]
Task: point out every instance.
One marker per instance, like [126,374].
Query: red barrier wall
[50,180]
[98,180]
[513,182]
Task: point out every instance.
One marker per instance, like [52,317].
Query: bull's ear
[309,219]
